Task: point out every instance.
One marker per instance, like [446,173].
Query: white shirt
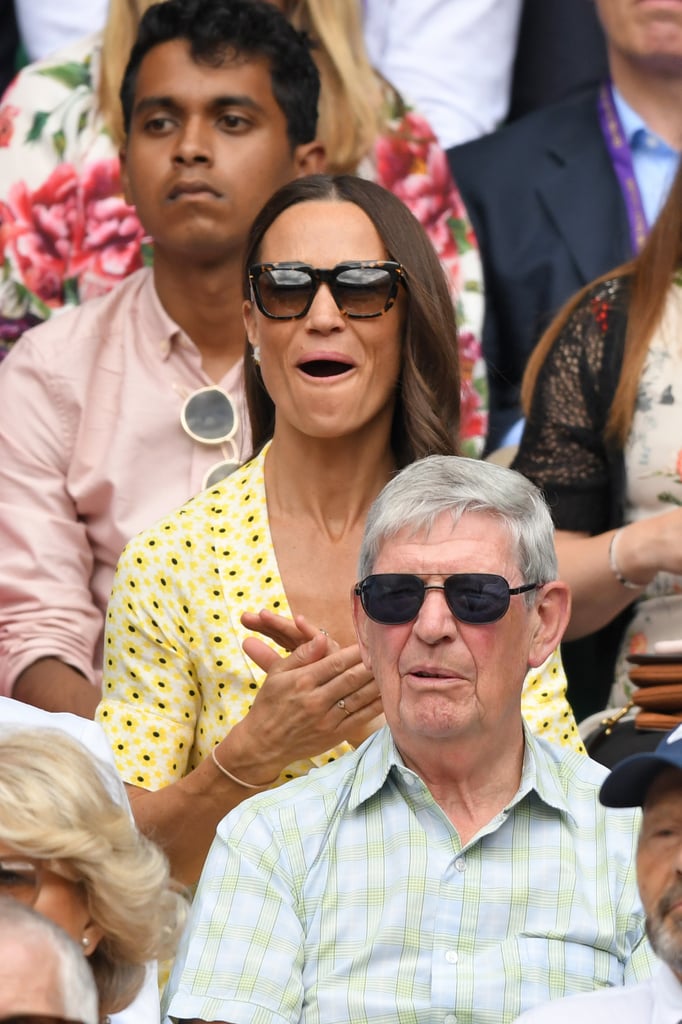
[45,27]
[655,1001]
[145,1007]
[452,58]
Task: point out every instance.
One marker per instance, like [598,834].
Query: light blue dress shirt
[654,162]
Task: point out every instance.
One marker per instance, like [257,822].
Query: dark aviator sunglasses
[478,598]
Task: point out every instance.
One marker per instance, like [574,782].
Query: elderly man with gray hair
[44,976]
[453,868]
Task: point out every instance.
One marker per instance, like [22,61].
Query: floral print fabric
[409,162]
[653,460]
[67,234]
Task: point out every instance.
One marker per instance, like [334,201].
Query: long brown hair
[426,418]
[650,276]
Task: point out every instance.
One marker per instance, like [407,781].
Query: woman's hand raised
[311,700]
[287,633]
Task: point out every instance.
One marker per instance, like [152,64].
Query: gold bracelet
[613,565]
[240,782]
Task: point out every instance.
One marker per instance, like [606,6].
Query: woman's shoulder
[595,323]
[43,85]
[49,113]
[407,151]
[215,515]
[613,291]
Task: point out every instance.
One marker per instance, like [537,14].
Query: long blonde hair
[353,104]
[119,35]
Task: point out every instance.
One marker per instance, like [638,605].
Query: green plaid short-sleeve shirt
[346,897]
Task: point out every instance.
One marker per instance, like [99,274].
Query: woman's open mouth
[325,367]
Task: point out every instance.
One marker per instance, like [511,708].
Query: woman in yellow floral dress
[199,711]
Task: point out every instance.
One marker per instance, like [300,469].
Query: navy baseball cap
[629,781]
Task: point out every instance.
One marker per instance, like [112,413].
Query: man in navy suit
[567,192]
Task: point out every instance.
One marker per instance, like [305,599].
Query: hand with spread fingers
[287,633]
[311,700]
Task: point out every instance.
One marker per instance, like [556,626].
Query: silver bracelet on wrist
[613,565]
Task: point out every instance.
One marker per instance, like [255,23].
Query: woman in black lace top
[603,438]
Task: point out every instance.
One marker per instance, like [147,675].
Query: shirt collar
[157,324]
[375,758]
[635,128]
[630,120]
[540,775]
[380,756]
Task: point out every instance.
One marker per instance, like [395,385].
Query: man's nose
[435,621]
[193,145]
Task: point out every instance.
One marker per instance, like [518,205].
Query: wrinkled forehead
[664,793]
[458,540]
[23,990]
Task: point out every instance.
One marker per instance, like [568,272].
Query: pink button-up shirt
[91,452]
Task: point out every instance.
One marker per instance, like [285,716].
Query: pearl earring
[85,942]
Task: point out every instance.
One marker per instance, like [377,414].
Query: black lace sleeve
[563,449]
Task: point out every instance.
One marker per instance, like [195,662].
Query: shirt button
[650,142]
[450,1018]
[451,956]
[410,780]
[461,864]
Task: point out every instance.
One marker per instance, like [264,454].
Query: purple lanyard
[621,158]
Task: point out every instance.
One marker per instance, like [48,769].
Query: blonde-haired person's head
[120,31]
[352,95]
[58,805]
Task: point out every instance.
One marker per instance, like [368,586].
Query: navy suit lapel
[576,162]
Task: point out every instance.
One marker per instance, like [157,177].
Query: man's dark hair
[218,30]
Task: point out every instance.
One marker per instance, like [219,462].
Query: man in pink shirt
[220,105]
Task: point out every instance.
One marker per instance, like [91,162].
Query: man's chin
[666,940]
[438,720]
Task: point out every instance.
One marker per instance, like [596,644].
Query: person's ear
[125,180]
[91,937]
[360,623]
[310,158]
[251,327]
[552,611]
[250,320]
